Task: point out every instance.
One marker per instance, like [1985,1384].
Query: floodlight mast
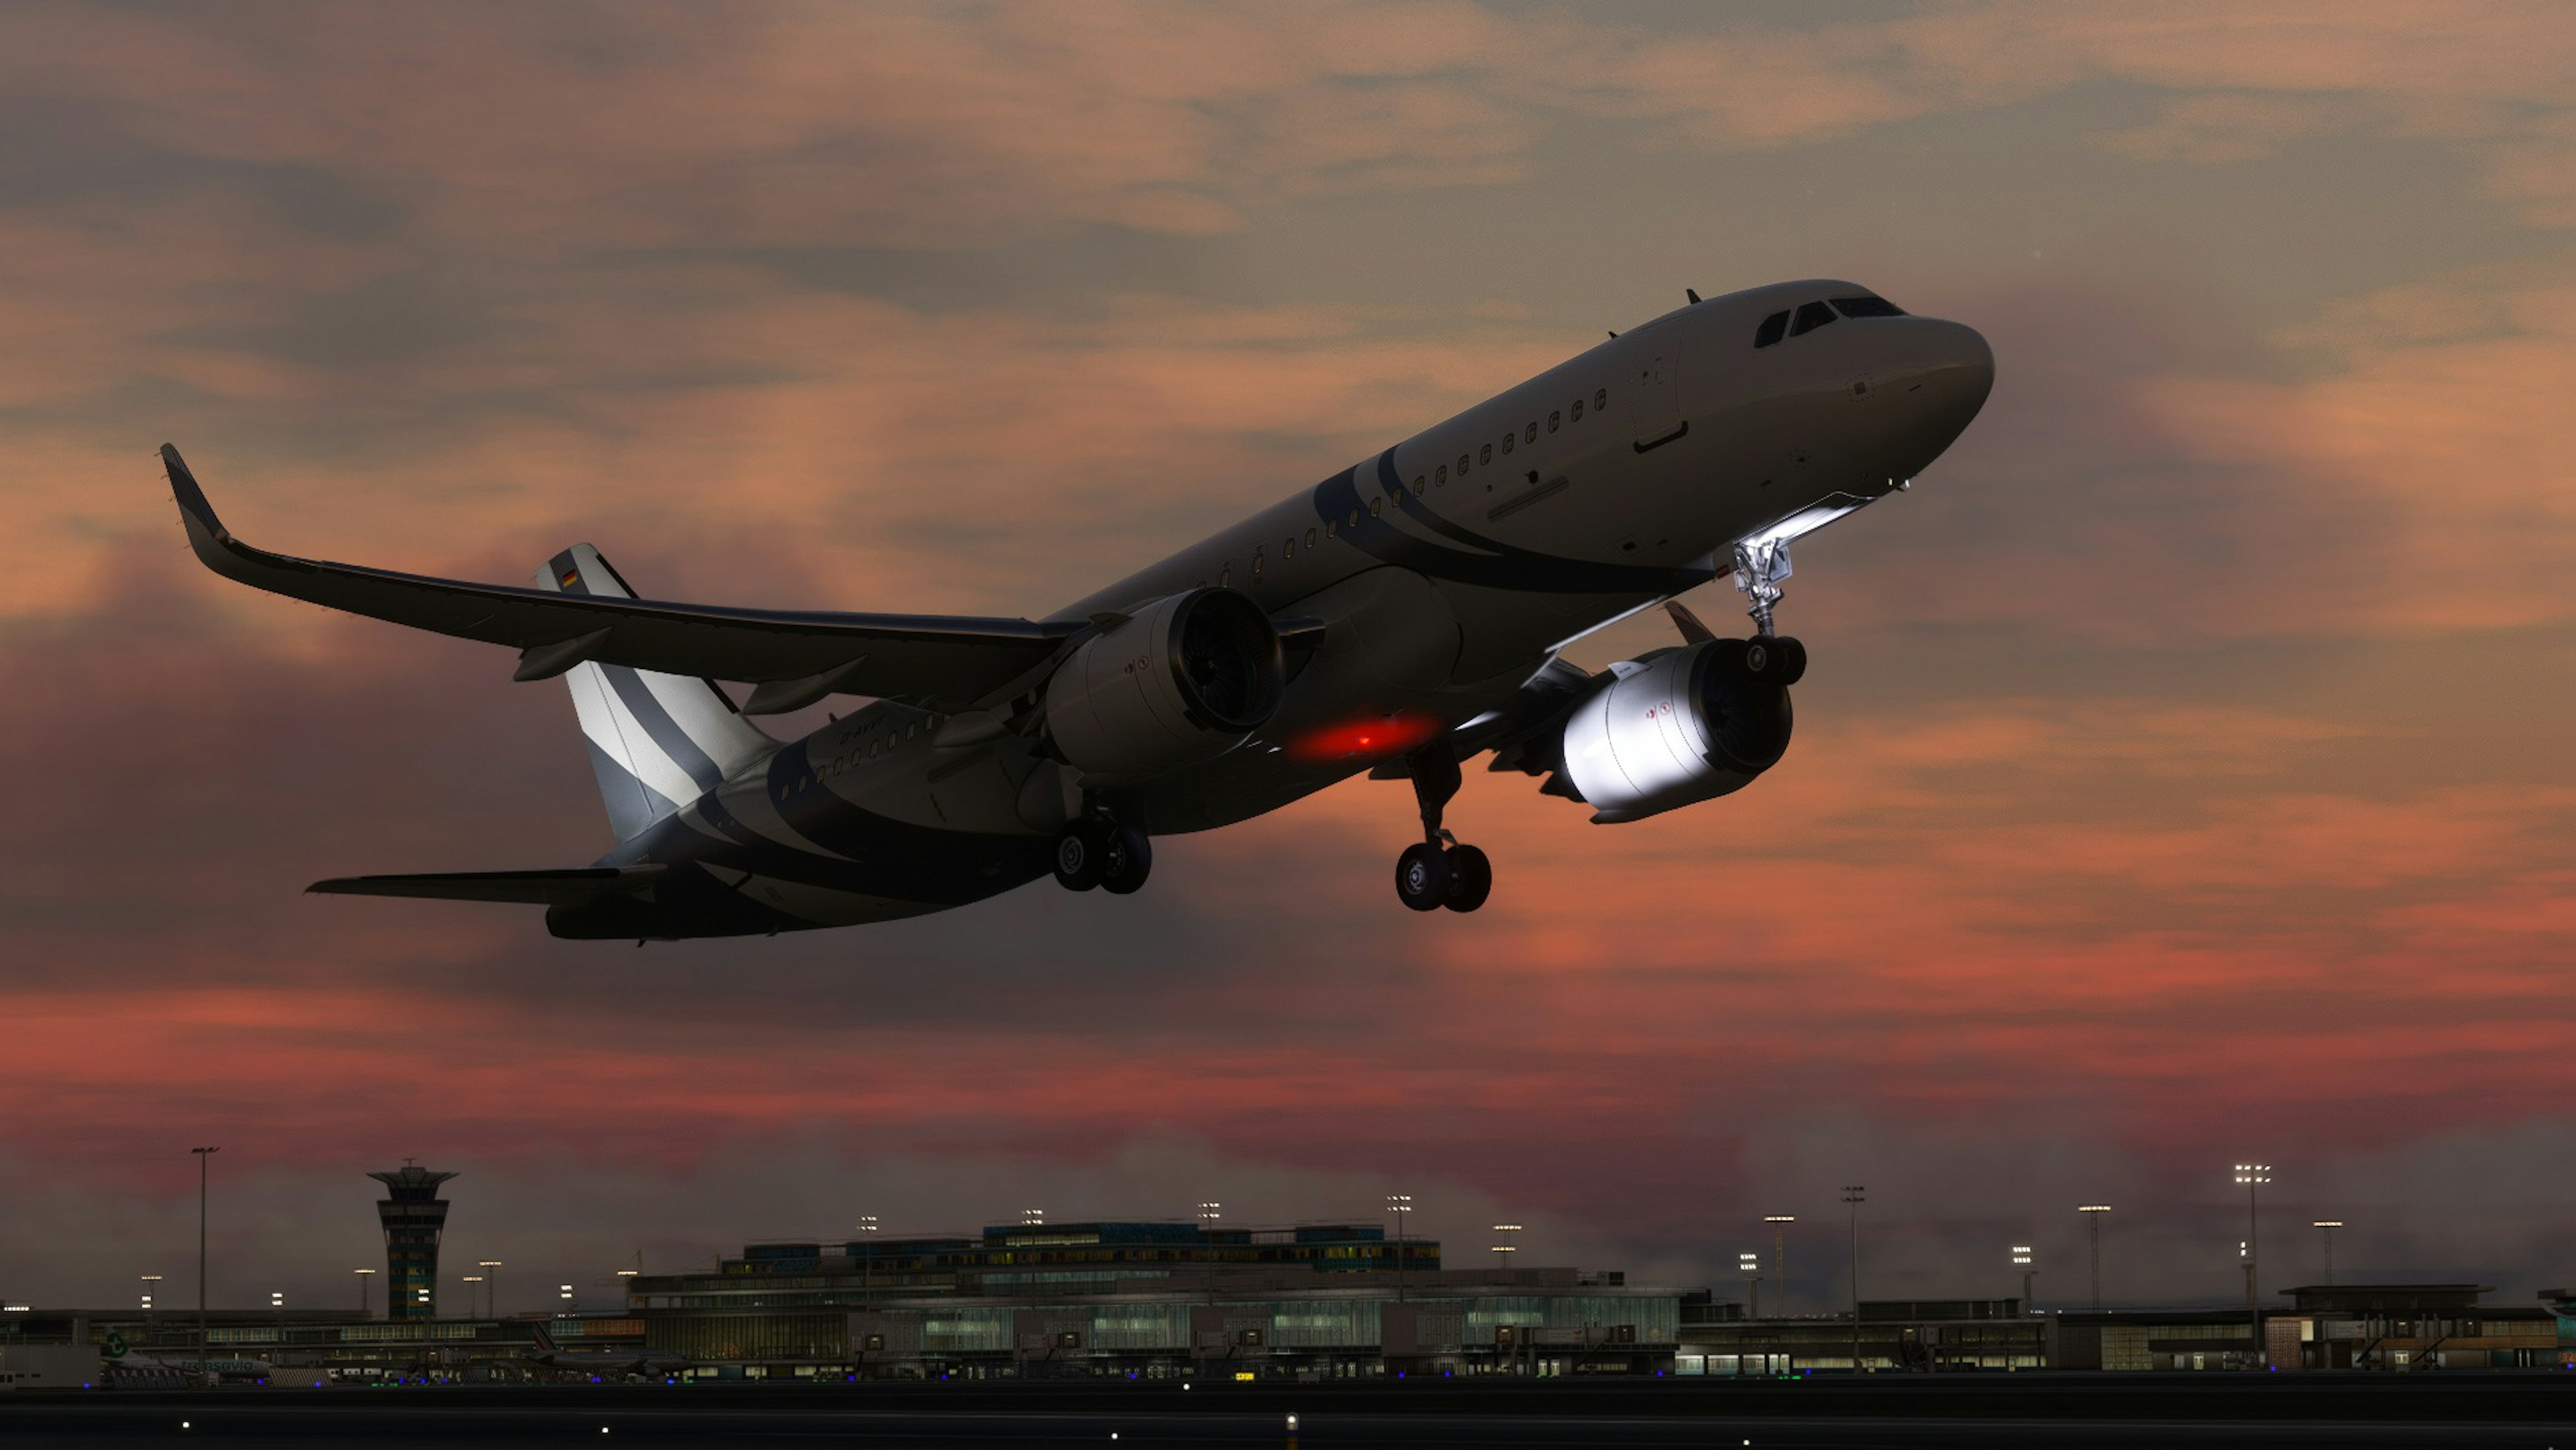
[2253,1176]
[1780,1259]
[2329,1225]
[2093,1233]
[1399,1204]
[202,1155]
[1855,1194]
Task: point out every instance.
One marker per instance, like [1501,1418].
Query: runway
[2533,1411]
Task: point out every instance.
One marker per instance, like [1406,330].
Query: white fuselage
[1445,571]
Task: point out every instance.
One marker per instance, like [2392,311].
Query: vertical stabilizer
[656,741]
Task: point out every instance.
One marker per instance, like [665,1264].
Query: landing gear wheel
[1793,659]
[1771,660]
[1127,861]
[1471,879]
[1081,856]
[1422,876]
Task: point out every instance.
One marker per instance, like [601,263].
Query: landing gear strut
[1099,850]
[1759,568]
[1437,871]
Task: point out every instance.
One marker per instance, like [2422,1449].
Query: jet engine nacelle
[1677,727]
[1184,679]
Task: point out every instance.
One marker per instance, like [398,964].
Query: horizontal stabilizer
[939,661]
[575,887]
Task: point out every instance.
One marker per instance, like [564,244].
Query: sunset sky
[2184,773]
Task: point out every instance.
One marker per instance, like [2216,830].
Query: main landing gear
[1098,850]
[1437,871]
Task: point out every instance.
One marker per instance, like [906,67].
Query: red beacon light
[1372,737]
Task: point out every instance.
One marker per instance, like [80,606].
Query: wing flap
[573,887]
[939,660]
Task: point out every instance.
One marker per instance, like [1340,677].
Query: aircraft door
[1659,403]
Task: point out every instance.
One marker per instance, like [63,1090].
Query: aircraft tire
[1126,861]
[1080,859]
[1790,666]
[1422,876]
[1471,879]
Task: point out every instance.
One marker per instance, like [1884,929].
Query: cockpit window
[1867,307]
[1811,315]
[1773,328]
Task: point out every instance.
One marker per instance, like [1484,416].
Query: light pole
[2253,1176]
[1855,1195]
[1399,1204]
[148,1291]
[2022,1261]
[1503,1251]
[202,1155]
[2093,1233]
[362,1290]
[868,1260]
[1780,1260]
[1750,1266]
[491,1287]
[626,1285]
[469,1294]
[2329,1225]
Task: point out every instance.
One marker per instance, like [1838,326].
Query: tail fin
[657,741]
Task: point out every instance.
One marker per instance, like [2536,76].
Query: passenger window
[1332,528]
[1462,465]
[1533,434]
[1288,549]
[1310,538]
[1773,328]
[1507,442]
[1600,399]
[1417,483]
[1485,454]
[1443,476]
[1355,518]
[1811,315]
[1576,413]
[1377,507]
[1551,422]
[1867,307]
[1225,576]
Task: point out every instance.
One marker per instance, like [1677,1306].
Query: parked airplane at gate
[1400,617]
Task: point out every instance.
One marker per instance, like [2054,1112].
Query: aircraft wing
[935,660]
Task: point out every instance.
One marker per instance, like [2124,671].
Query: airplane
[1399,618]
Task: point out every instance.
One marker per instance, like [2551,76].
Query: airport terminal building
[1314,1301]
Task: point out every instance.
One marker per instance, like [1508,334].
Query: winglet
[198,514]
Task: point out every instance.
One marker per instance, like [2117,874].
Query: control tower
[414,1216]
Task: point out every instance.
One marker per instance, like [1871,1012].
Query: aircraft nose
[1950,371]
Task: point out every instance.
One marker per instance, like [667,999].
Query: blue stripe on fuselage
[1477,559]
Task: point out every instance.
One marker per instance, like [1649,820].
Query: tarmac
[2460,1408]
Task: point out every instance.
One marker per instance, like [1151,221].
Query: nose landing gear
[1759,568]
[1437,871]
[1098,850]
